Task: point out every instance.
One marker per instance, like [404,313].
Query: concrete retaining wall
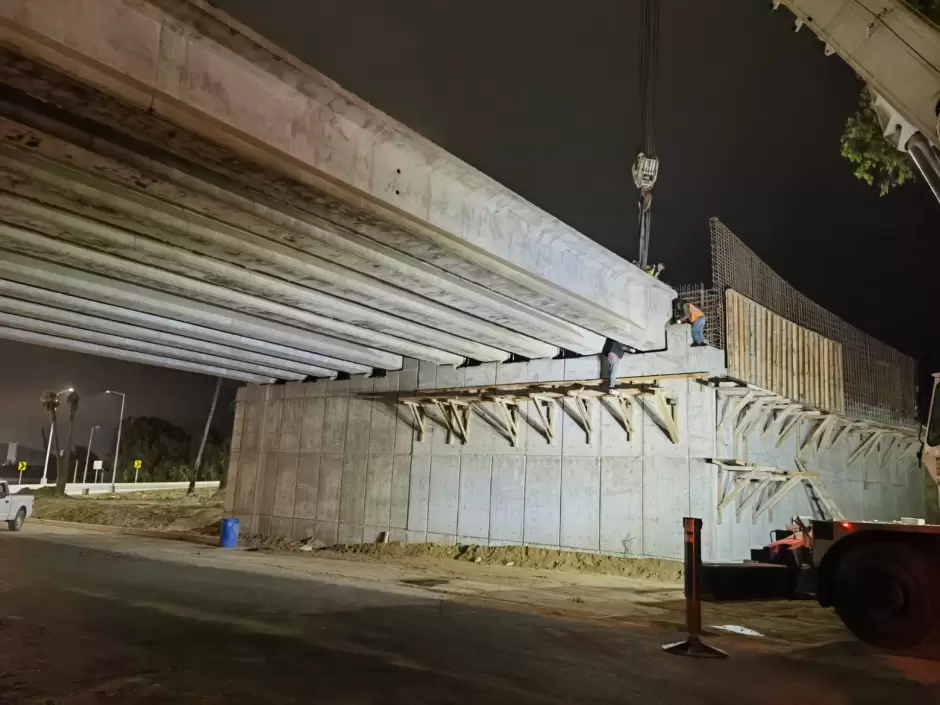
[339,460]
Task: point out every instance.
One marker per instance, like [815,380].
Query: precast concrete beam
[76,191]
[51,341]
[87,291]
[34,244]
[22,298]
[152,259]
[192,67]
[119,342]
[229,356]
[171,179]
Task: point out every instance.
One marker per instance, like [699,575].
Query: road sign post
[138,464]
[97,465]
[21,468]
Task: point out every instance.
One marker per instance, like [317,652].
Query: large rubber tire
[888,594]
[16,523]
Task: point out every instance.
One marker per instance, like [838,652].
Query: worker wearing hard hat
[692,314]
[654,270]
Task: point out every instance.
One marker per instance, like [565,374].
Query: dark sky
[542,96]
[27,370]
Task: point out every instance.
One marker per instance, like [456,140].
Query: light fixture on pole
[45,467]
[91,437]
[117,445]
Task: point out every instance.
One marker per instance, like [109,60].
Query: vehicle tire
[16,523]
[886,594]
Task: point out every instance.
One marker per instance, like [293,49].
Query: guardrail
[80,488]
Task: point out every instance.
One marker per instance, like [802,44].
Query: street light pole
[117,445]
[45,467]
[91,437]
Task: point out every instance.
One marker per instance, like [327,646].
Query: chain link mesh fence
[880,382]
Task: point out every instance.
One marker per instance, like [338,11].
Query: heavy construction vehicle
[882,578]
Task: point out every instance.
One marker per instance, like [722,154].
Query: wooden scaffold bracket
[507,407]
[621,408]
[546,408]
[581,413]
[759,488]
[417,414]
[457,414]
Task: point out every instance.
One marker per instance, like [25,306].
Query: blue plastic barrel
[229,537]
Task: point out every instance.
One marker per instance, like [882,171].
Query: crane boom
[896,50]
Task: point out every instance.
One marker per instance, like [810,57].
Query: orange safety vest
[695,313]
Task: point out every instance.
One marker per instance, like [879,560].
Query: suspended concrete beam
[97,327]
[86,291]
[76,191]
[90,244]
[51,341]
[191,67]
[167,177]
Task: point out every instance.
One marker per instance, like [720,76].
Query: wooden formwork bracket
[866,446]
[774,429]
[580,412]
[417,413]
[457,414]
[507,407]
[759,488]
[546,408]
[666,414]
[825,504]
[622,410]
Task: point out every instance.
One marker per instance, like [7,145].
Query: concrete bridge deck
[173,186]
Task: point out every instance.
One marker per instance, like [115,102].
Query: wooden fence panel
[773,353]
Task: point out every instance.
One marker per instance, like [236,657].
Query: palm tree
[61,478]
[50,402]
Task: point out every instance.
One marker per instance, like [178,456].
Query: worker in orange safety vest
[692,314]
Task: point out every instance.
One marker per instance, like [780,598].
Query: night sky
[542,96]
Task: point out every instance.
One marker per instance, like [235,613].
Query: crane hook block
[645,171]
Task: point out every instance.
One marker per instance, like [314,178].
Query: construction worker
[654,270]
[692,314]
[614,351]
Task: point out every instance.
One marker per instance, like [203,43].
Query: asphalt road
[90,618]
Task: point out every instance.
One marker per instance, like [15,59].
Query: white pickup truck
[14,508]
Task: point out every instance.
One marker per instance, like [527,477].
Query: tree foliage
[877,162]
[162,447]
[167,452]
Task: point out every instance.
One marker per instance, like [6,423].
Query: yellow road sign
[21,466]
[138,464]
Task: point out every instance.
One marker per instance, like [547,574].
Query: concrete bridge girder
[162,350]
[89,243]
[188,231]
[108,332]
[192,68]
[230,204]
[62,343]
[83,290]
[206,289]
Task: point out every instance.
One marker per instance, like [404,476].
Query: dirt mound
[523,557]
[155,517]
[48,491]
